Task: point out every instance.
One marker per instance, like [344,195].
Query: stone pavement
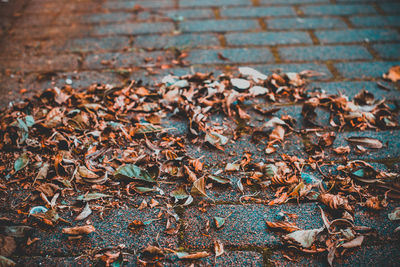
[79,42]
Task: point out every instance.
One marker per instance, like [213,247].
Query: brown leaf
[393,74]
[365,142]
[79,230]
[199,186]
[286,226]
[342,150]
[356,242]
[193,256]
[335,202]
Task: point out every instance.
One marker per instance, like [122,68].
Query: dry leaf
[335,202]
[365,142]
[199,186]
[79,230]
[218,248]
[342,150]
[286,226]
[395,215]
[193,256]
[86,211]
[393,74]
[304,237]
[277,134]
[356,242]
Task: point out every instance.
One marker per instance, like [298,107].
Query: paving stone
[388,51]
[190,13]
[351,89]
[305,23]
[383,255]
[44,63]
[115,5]
[269,69]
[388,138]
[390,8]
[195,3]
[233,55]
[218,25]
[52,261]
[180,41]
[338,9]
[257,11]
[134,28]
[374,21]
[118,60]
[229,258]
[246,226]
[307,53]
[107,17]
[81,79]
[362,70]
[266,2]
[268,38]
[97,44]
[364,35]
[110,231]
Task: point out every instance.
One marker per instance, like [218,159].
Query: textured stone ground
[50,42]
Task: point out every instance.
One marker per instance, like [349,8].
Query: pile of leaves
[111,142]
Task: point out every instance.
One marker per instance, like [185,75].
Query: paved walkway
[79,42]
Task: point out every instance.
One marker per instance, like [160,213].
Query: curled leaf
[86,211]
[304,237]
[79,230]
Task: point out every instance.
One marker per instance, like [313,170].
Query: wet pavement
[46,43]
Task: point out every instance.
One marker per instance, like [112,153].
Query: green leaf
[132,171]
[21,162]
[91,196]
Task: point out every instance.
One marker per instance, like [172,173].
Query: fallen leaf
[132,171]
[218,248]
[86,211]
[365,142]
[199,186]
[393,74]
[395,215]
[79,230]
[356,242]
[193,256]
[286,226]
[304,237]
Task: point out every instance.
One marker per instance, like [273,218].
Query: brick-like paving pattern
[353,42]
